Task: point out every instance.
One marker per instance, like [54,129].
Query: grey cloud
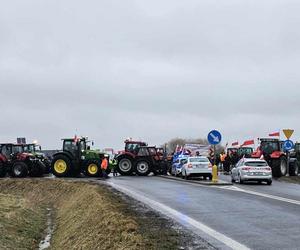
[148,69]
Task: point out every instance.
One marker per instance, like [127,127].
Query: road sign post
[288,145]
[214,138]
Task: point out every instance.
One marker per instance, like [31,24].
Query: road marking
[237,189]
[180,217]
[274,197]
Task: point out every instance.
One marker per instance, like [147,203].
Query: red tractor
[271,151]
[140,159]
[17,163]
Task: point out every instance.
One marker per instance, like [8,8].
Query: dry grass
[86,217]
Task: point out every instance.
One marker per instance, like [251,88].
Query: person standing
[104,166]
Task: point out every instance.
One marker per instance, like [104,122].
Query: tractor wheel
[279,167]
[47,164]
[61,166]
[37,169]
[294,168]
[19,169]
[125,166]
[143,168]
[2,170]
[92,169]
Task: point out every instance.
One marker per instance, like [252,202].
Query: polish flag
[249,142]
[275,134]
[235,143]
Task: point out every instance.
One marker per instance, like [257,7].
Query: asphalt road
[237,217]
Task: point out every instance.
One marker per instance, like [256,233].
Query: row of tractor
[137,158]
[271,150]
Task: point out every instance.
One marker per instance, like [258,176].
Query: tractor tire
[92,169]
[279,167]
[47,164]
[61,166]
[125,165]
[37,169]
[143,168]
[294,168]
[19,169]
[2,170]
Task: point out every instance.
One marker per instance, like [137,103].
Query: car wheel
[240,180]
[210,177]
[269,182]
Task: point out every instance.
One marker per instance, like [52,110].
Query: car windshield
[256,164]
[199,159]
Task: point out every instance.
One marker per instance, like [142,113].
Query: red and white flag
[235,143]
[76,139]
[275,134]
[249,142]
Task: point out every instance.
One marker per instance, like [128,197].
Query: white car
[248,169]
[197,166]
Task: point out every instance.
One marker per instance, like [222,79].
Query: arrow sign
[214,137]
[288,133]
[288,145]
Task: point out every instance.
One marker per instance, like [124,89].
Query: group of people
[105,164]
[227,160]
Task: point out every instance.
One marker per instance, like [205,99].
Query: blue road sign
[214,137]
[288,145]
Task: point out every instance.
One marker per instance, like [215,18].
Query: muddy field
[82,216]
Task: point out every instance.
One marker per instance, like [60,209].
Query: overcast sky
[150,70]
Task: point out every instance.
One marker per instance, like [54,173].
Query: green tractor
[295,160]
[77,157]
[36,150]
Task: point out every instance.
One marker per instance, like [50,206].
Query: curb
[204,183]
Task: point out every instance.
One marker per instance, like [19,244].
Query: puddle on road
[45,243]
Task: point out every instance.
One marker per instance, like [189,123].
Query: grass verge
[86,216]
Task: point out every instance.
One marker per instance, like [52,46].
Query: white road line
[274,197]
[180,217]
[237,189]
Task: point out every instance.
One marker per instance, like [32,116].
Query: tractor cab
[269,148]
[13,151]
[133,146]
[32,148]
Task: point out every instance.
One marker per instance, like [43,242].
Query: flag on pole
[76,139]
[275,134]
